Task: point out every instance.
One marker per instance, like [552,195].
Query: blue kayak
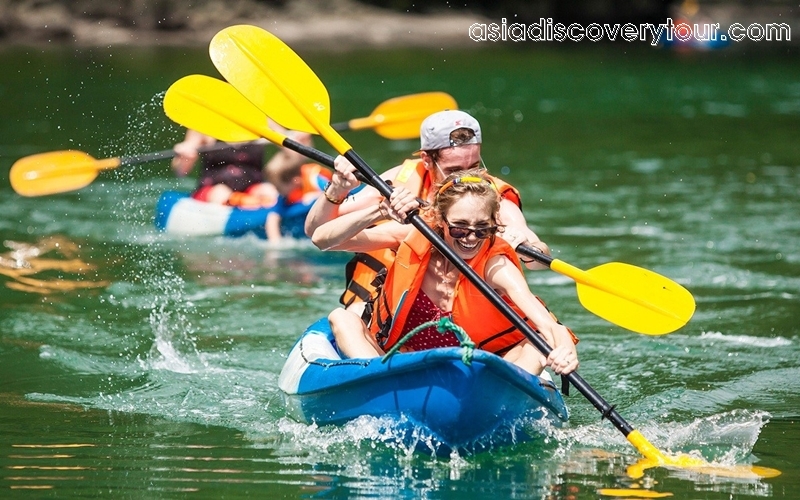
[179,213]
[433,392]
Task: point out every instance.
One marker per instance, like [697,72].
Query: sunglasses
[459,232]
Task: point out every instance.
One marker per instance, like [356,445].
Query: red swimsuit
[422,311]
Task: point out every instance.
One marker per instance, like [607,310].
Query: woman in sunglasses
[422,285]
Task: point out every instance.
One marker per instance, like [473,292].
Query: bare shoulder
[502,273]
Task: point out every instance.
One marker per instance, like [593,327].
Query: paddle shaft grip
[535,254]
[414,218]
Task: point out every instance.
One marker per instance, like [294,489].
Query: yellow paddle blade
[245,56]
[653,457]
[401,117]
[56,172]
[631,297]
[214,108]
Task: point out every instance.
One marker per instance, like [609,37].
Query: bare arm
[352,232]
[505,277]
[323,211]
[357,231]
[273,227]
[342,182]
[517,229]
[186,151]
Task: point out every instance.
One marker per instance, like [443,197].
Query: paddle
[215,108]
[401,117]
[62,171]
[279,83]
[626,295]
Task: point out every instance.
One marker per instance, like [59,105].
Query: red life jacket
[314,177]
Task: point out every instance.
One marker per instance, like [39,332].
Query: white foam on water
[747,339]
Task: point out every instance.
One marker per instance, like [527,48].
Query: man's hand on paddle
[343,179]
[401,203]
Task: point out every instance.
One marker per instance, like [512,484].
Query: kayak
[431,394]
[179,213]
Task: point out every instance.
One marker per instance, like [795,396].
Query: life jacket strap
[355,288]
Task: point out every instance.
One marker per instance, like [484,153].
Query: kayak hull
[431,393]
[178,213]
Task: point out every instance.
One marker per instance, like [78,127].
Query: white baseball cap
[434,133]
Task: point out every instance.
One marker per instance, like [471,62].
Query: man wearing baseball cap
[450,141]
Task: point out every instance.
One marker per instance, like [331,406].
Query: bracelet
[330,198]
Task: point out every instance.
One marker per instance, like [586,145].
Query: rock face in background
[340,24]
[194,22]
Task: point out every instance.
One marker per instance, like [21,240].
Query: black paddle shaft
[127,161]
[316,155]
[574,378]
[309,152]
[535,254]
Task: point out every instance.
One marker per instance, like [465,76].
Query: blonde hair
[474,181]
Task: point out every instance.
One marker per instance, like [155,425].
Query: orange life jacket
[314,177]
[485,325]
[365,272]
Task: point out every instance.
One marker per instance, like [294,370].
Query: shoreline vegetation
[331,25]
[337,24]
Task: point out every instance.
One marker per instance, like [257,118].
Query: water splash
[725,438]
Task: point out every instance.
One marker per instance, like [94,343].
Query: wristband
[330,198]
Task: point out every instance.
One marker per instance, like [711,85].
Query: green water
[160,381]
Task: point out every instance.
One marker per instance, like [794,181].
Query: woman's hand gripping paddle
[277,81]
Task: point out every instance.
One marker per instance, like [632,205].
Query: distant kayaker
[450,141]
[228,176]
[422,285]
[297,182]
[234,175]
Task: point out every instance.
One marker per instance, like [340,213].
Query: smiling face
[468,211]
[465,207]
